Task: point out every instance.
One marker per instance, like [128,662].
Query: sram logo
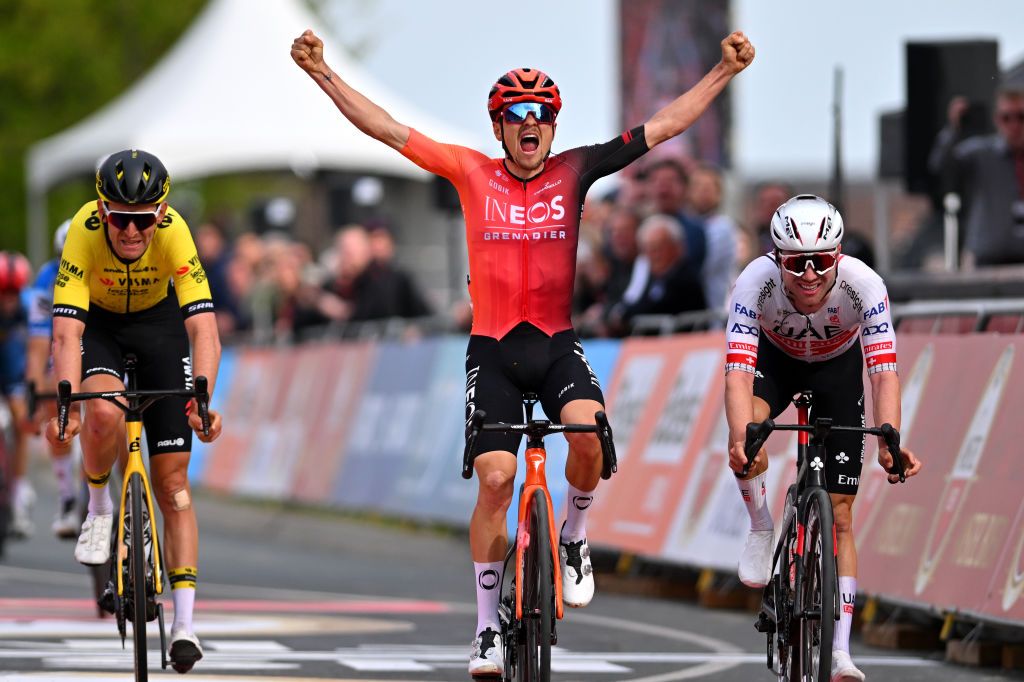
[513,214]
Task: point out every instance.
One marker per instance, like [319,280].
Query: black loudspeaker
[890,144]
[937,72]
[446,197]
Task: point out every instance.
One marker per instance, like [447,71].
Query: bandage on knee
[181,500]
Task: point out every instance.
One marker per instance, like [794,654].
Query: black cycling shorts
[156,336]
[526,360]
[838,387]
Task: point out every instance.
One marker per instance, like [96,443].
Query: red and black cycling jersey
[522,234]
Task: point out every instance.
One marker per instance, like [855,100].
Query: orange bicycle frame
[535,481]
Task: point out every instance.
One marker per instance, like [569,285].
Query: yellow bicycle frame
[136,466]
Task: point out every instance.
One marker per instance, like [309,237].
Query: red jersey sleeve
[446,160]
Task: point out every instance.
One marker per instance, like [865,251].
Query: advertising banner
[386,424]
[341,372]
[659,400]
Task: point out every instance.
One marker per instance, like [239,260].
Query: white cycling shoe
[185,650]
[488,656]
[755,568]
[843,669]
[93,548]
[577,573]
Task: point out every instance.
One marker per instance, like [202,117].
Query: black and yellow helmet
[132,176]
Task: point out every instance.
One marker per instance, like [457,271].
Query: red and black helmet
[15,271]
[523,85]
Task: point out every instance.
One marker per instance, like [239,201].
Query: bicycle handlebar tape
[757,434]
[63,406]
[892,441]
[476,421]
[203,402]
[610,464]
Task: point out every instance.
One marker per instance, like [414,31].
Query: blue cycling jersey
[38,300]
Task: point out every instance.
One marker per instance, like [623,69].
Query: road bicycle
[531,601]
[136,565]
[800,605]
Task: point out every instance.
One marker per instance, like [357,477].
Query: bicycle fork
[535,481]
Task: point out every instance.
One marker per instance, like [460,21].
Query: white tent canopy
[228,98]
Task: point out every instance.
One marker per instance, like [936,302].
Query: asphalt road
[301,595]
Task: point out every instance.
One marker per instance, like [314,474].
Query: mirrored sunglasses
[821,262]
[517,113]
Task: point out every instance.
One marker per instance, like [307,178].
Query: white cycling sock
[63,471]
[847,595]
[184,601]
[755,497]
[488,591]
[99,497]
[579,502]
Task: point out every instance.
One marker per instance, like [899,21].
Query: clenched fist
[737,52]
[308,52]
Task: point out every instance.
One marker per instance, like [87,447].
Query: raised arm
[680,113]
[308,53]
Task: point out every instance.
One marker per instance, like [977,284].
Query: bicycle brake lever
[202,389]
[63,407]
[476,421]
[892,442]
[610,465]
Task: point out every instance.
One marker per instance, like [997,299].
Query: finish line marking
[231,655]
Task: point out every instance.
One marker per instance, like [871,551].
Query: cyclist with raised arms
[806,317]
[522,227]
[124,255]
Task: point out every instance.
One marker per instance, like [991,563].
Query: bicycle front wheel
[137,572]
[538,597]
[817,624]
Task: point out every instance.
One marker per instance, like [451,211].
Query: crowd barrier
[378,427]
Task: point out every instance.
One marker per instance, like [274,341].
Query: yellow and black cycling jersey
[91,273]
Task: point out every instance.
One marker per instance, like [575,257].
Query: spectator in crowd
[768,196]
[403,298]
[719,269]
[215,254]
[590,293]
[668,190]
[298,296]
[673,286]
[988,173]
[621,250]
[366,289]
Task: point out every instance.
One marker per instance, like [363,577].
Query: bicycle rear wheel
[819,589]
[538,597]
[137,572]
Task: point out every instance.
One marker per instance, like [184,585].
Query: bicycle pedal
[106,601]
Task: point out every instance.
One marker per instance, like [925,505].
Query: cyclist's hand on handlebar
[910,462]
[72,429]
[308,52]
[738,457]
[196,423]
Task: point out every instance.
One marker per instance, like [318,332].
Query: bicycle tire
[819,588]
[788,625]
[538,597]
[137,574]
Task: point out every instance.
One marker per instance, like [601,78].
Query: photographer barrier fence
[378,427]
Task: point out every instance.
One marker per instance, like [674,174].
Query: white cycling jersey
[856,308]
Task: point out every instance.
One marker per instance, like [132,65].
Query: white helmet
[807,223]
[61,236]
